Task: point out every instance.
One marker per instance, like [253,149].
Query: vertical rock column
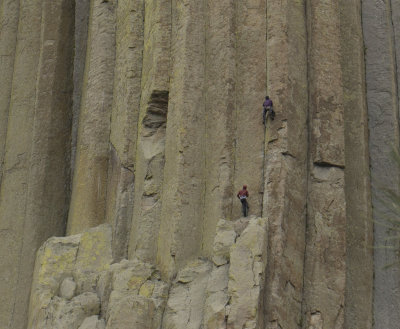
[88,199]
[285,190]
[17,153]
[359,227]
[382,98]
[33,196]
[180,236]
[150,152]
[325,268]
[220,114]
[9,13]
[124,121]
[82,10]
[251,56]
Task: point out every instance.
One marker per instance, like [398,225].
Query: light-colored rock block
[93,322]
[184,308]
[247,276]
[67,288]
[65,278]
[224,238]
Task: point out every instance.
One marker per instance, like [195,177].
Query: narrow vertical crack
[265,126]
[3,142]
[395,65]
[205,181]
[235,116]
[308,169]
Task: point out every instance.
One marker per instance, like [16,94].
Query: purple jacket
[267,103]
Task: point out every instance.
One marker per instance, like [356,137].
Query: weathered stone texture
[285,166]
[325,79]
[358,312]
[220,110]
[88,199]
[250,86]
[325,263]
[383,107]
[154,108]
[92,322]
[82,10]
[81,259]
[33,197]
[16,160]
[134,297]
[246,277]
[76,285]
[180,237]
[150,151]
[184,309]
[124,118]
[325,268]
[9,13]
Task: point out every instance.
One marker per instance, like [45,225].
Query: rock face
[76,286]
[127,128]
[381,51]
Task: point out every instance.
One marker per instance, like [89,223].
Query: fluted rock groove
[127,128]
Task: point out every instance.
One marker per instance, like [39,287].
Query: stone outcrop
[127,128]
[76,284]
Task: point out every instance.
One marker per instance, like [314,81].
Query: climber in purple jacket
[268,107]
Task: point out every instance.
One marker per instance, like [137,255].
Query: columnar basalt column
[383,116]
[250,88]
[285,189]
[150,153]
[124,121]
[359,227]
[181,227]
[9,13]
[34,190]
[17,153]
[325,261]
[88,199]
[220,115]
[82,11]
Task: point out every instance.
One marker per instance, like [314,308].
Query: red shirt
[243,194]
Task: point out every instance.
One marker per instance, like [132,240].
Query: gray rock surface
[124,121]
[34,153]
[131,293]
[285,162]
[150,151]
[146,115]
[180,239]
[92,322]
[383,113]
[92,152]
[67,288]
[359,224]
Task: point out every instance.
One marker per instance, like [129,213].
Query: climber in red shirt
[242,196]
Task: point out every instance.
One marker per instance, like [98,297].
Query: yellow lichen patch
[95,250]
[146,290]
[135,282]
[55,259]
